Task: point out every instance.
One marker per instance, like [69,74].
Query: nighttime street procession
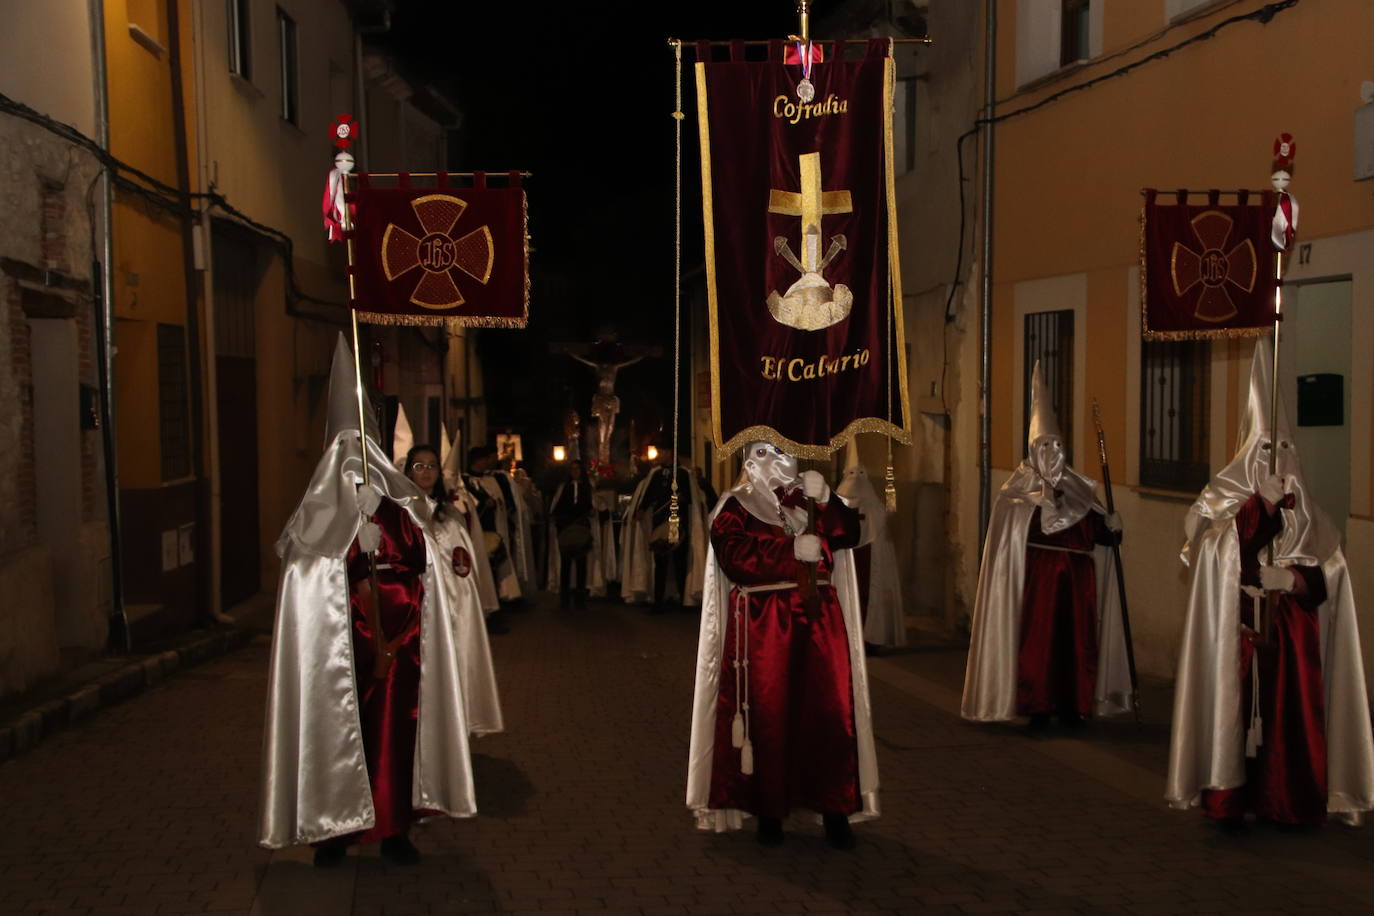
[744,456]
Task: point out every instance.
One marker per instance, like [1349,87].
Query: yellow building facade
[1080,131]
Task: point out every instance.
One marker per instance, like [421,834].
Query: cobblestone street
[149,808]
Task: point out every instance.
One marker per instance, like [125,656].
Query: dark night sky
[581,95]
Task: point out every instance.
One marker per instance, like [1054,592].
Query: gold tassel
[674,520]
[890,492]
[737,731]
[746,758]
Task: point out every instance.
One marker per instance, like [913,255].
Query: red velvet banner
[800,220]
[1207,270]
[439,254]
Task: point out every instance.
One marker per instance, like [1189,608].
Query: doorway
[1315,365]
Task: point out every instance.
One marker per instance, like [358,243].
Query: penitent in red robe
[1057,659]
[800,691]
[389,707]
[1286,780]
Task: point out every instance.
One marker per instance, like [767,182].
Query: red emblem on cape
[462,561]
[344,131]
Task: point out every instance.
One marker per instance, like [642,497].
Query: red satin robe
[1056,666]
[389,707]
[1286,781]
[800,692]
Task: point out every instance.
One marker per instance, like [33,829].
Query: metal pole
[985,394]
[118,639]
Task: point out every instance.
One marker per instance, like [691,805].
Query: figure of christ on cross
[810,303]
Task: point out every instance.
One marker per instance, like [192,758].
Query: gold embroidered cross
[810,204]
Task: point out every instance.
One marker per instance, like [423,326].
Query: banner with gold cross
[801,248]
[1207,266]
[429,250]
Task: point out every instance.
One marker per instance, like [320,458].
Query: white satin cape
[1207,744]
[505,573]
[710,654]
[990,677]
[314,783]
[884,618]
[466,507]
[482,702]
[637,560]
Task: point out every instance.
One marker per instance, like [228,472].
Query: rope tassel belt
[739,727]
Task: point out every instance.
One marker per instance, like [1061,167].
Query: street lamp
[559,453]
[651,453]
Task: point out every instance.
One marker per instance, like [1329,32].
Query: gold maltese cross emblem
[1213,270]
[436,252]
[810,303]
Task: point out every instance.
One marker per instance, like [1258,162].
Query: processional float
[803,276]
[445,249]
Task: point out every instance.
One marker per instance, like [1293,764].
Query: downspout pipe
[985,360]
[207,343]
[117,639]
[195,395]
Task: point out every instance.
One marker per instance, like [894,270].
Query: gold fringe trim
[447,321]
[803,450]
[1199,334]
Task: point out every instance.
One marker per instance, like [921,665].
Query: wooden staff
[1116,559]
[1271,599]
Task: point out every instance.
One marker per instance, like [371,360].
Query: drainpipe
[210,377]
[985,400]
[118,638]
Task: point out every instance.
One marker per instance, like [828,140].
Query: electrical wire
[1263,16]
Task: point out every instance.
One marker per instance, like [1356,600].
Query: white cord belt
[1037,546]
[739,728]
[1254,734]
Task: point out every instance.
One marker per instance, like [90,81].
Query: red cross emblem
[1214,269]
[436,252]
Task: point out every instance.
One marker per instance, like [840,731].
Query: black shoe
[398,850]
[770,831]
[330,856]
[1039,723]
[1232,826]
[496,624]
[838,834]
[580,600]
[1073,720]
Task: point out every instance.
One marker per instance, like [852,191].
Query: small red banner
[439,254]
[1206,270]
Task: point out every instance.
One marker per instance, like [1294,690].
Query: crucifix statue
[606,357]
[810,303]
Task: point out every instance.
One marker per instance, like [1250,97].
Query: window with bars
[1048,339]
[174,425]
[240,59]
[1174,406]
[1073,32]
[290,70]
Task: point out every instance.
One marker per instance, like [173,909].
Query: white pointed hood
[327,517]
[452,459]
[1308,536]
[402,437]
[1044,477]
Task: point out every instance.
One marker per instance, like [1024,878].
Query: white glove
[1277,578]
[369,537]
[815,487]
[369,498]
[807,548]
[1113,522]
[1272,489]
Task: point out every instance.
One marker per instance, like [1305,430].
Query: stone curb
[31,727]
